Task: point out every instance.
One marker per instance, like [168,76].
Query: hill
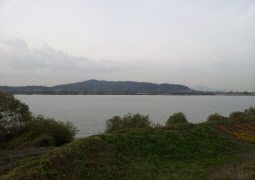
[207,89]
[106,86]
[95,85]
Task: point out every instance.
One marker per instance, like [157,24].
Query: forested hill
[95,85]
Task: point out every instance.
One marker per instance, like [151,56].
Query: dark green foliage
[19,129]
[128,121]
[177,118]
[31,139]
[61,132]
[216,117]
[13,115]
[236,114]
[249,112]
[114,124]
[41,131]
[234,117]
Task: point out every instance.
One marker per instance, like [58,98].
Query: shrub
[61,132]
[128,121]
[249,112]
[216,117]
[236,114]
[41,131]
[13,115]
[30,139]
[19,128]
[177,118]
[44,140]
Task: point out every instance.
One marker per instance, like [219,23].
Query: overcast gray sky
[189,42]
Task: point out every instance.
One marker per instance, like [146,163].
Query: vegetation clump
[216,117]
[236,114]
[20,129]
[249,112]
[13,115]
[128,121]
[41,131]
[177,118]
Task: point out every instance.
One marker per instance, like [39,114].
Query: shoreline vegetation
[132,147]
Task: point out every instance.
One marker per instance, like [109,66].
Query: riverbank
[188,151]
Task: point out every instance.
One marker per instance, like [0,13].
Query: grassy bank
[185,151]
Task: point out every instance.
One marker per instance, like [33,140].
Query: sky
[198,42]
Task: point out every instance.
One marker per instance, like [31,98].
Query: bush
[128,121]
[177,118]
[13,115]
[62,132]
[216,117]
[18,127]
[41,131]
[249,112]
[236,114]
[29,140]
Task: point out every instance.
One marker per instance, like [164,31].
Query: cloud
[17,54]
[22,65]
[16,46]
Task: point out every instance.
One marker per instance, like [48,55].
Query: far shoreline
[139,94]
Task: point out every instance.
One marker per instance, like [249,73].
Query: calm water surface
[89,112]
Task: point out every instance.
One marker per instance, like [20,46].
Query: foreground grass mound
[88,158]
[184,151]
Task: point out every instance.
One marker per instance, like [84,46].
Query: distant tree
[216,117]
[177,118]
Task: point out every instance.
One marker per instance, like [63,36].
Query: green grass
[185,151]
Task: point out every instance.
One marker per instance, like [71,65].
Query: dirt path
[9,158]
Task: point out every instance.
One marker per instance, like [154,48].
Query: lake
[89,112]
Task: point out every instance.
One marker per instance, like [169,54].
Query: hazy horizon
[200,42]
